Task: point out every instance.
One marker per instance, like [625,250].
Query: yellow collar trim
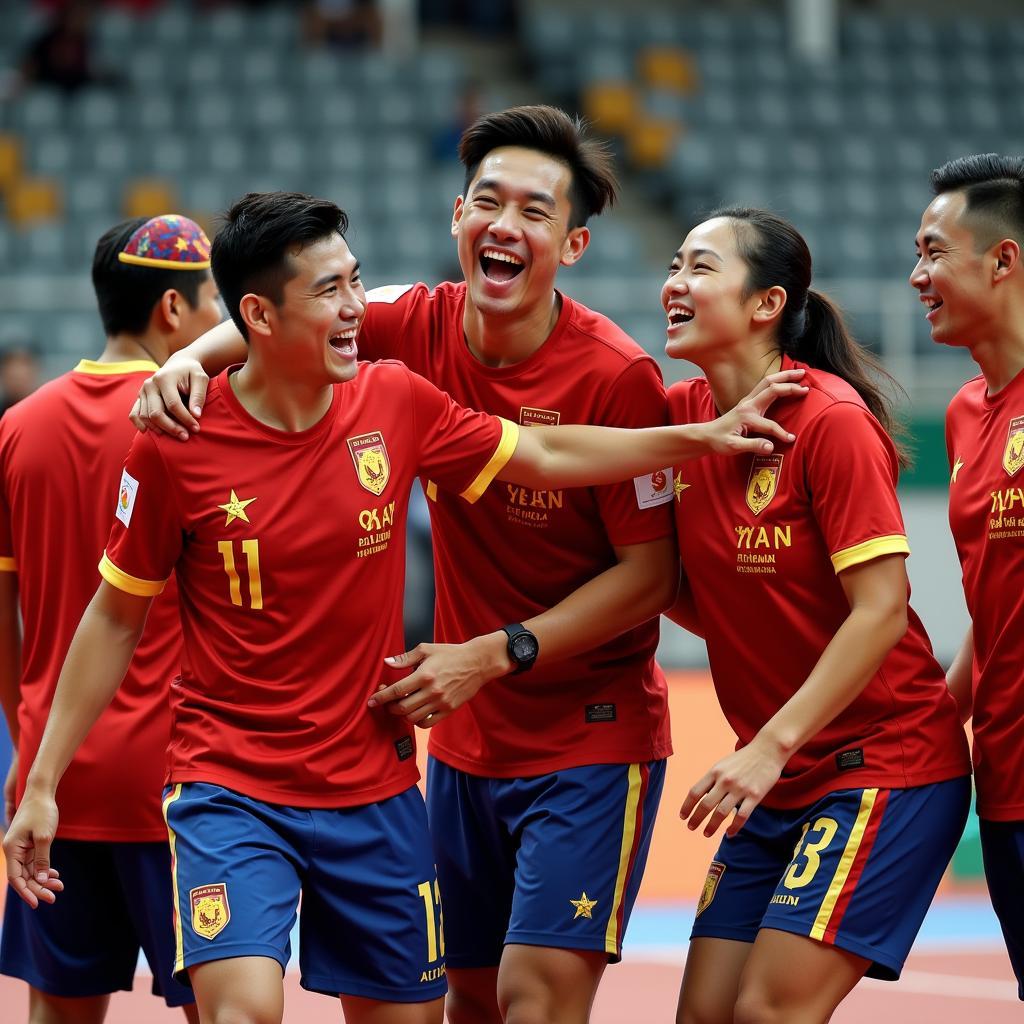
[109,369]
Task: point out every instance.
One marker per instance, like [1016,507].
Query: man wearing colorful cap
[61,455]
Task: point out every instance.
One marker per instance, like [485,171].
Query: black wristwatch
[523,647]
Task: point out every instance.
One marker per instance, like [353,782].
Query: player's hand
[27,849]
[445,676]
[737,783]
[10,789]
[745,428]
[160,406]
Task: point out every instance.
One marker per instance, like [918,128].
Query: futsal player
[849,787]
[970,278]
[61,454]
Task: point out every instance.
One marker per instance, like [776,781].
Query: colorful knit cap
[170,242]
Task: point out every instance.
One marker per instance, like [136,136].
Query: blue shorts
[1002,848]
[371,919]
[116,900]
[857,870]
[552,860]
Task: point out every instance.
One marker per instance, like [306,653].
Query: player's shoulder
[416,295]
[608,346]
[969,395]
[690,394]
[43,404]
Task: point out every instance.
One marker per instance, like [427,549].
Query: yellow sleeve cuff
[894,544]
[129,584]
[8,564]
[505,450]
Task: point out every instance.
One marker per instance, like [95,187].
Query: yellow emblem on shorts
[1013,456]
[763,481]
[370,457]
[715,873]
[584,907]
[210,910]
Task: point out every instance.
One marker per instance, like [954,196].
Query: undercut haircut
[126,292]
[993,188]
[258,235]
[553,132]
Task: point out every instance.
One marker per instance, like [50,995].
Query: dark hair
[251,250]
[993,188]
[811,328]
[553,132]
[126,292]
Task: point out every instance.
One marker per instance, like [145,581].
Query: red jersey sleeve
[637,511]
[850,468]
[460,450]
[384,325]
[7,559]
[145,540]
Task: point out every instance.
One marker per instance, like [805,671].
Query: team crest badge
[1013,456]
[370,457]
[538,417]
[715,873]
[763,482]
[210,910]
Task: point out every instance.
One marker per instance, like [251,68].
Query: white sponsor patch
[126,493]
[653,488]
[387,293]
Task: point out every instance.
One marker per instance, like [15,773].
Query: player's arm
[187,372]
[877,595]
[640,586]
[584,456]
[960,677]
[683,611]
[96,662]
[10,676]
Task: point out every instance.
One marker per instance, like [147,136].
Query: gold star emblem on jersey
[957,466]
[1013,454]
[584,907]
[678,487]
[236,508]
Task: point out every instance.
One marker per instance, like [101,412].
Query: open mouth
[344,342]
[933,305]
[677,317]
[500,266]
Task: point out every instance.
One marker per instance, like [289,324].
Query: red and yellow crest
[763,482]
[1013,455]
[210,910]
[707,894]
[370,457]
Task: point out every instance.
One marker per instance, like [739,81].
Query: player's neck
[277,400]
[735,374]
[1000,359]
[127,348]
[505,340]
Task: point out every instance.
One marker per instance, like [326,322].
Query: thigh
[244,988]
[540,983]
[82,945]
[711,980]
[1002,847]
[475,858]
[144,874]
[583,838]
[236,869]
[373,1011]
[867,867]
[371,924]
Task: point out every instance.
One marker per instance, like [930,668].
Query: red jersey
[985,441]
[762,539]
[289,550]
[519,551]
[61,454]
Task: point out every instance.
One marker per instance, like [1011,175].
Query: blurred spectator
[19,374]
[346,24]
[468,107]
[62,55]
[493,18]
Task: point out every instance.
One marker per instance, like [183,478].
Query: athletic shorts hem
[593,944]
[225,952]
[471,961]
[882,966]
[712,931]
[64,990]
[583,758]
[323,985]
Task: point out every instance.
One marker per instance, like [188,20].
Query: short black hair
[553,132]
[250,252]
[993,188]
[126,292]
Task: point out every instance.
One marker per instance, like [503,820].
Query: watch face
[524,647]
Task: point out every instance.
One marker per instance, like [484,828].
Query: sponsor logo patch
[849,759]
[1013,454]
[126,492]
[529,417]
[763,482]
[210,910]
[405,748]
[600,713]
[654,489]
[707,894]
[370,457]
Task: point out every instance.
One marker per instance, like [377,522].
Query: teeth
[504,257]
